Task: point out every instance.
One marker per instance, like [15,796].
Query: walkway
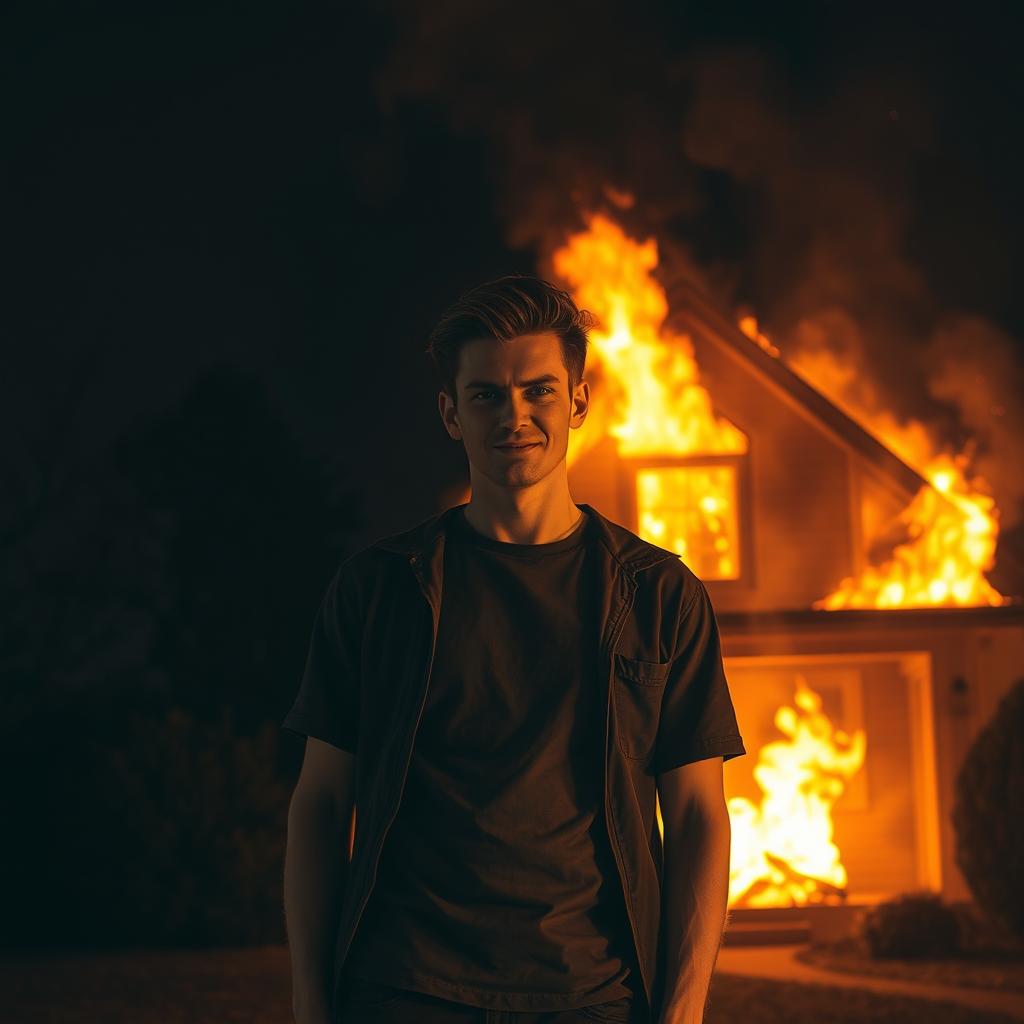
[779,963]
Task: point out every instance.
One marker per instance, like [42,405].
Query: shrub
[198,858]
[986,814]
[910,926]
[149,827]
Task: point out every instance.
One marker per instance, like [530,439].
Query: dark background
[228,230]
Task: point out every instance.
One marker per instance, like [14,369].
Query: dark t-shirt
[497,886]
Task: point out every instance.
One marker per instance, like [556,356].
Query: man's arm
[316,872]
[695,886]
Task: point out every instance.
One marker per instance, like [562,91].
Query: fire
[692,510]
[658,404]
[951,526]
[782,851]
[654,404]
[748,325]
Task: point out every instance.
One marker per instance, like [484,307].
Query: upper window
[692,505]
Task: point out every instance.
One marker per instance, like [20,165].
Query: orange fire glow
[951,526]
[654,405]
[782,851]
[953,529]
[653,402]
[658,404]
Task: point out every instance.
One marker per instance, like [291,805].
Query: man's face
[514,393]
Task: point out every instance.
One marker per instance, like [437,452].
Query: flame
[953,528]
[952,524]
[782,851]
[659,406]
[748,325]
[654,404]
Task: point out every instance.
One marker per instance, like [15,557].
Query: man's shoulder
[367,561]
[672,577]
[637,551]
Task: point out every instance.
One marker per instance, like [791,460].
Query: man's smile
[517,449]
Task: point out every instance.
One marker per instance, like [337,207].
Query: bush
[148,827]
[199,857]
[986,814]
[912,926]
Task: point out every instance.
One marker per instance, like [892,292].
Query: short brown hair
[506,308]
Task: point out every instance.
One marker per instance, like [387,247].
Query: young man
[493,699]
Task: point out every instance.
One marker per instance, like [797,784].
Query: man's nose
[514,412]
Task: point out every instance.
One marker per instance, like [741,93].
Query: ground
[989,971]
[253,986]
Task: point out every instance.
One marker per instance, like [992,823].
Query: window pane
[692,510]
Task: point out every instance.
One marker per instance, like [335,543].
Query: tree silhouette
[161,611]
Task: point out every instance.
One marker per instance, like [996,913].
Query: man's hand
[321,816]
[695,890]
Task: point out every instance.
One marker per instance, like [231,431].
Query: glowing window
[693,510]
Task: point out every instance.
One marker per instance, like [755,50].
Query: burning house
[862,662]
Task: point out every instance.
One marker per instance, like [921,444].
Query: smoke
[836,177]
[785,190]
[976,367]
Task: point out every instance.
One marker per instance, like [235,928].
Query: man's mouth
[516,447]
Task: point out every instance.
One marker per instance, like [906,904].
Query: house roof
[689,305]
[692,308]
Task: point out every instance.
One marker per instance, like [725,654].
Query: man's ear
[580,403]
[449,415]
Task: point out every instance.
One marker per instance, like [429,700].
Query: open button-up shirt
[662,681]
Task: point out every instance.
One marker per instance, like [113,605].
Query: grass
[253,986]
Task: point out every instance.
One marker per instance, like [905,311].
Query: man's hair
[506,308]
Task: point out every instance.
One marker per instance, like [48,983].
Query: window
[692,505]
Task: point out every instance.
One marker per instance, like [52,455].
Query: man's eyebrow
[490,384]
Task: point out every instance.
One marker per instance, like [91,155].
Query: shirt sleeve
[327,704]
[697,715]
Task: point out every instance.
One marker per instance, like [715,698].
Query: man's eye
[536,387]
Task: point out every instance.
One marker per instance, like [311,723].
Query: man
[493,699]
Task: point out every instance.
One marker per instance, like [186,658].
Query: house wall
[799,517]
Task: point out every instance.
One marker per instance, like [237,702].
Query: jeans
[370,1002]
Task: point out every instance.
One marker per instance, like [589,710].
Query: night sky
[300,190]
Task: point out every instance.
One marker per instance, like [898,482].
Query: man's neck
[522,530]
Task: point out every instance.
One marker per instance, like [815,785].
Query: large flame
[782,851]
[951,526]
[652,402]
[659,406]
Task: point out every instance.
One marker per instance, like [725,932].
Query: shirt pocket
[638,687]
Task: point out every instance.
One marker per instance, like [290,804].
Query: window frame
[629,465]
